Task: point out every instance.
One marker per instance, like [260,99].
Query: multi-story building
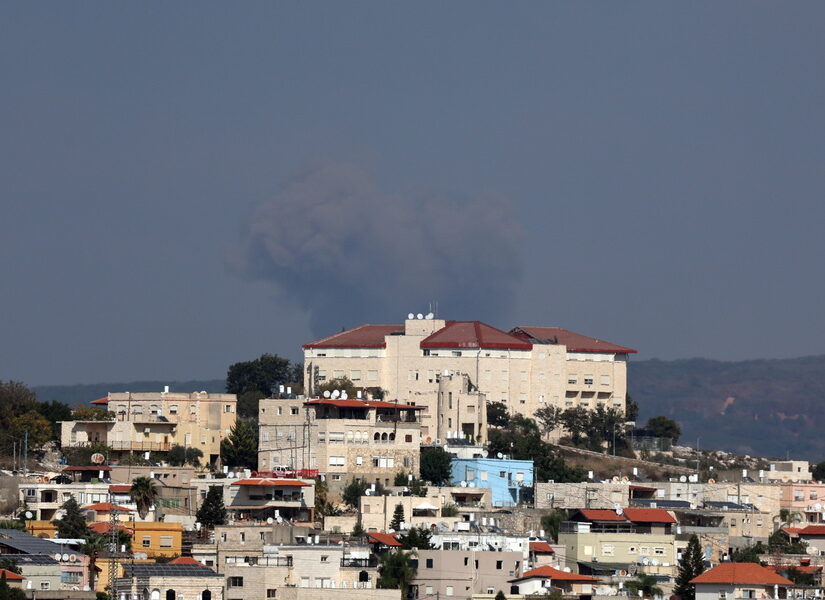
[585,494]
[154,422]
[340,438]
[445,573]
[180,578]
[262,498]
[510,481]
[526,368]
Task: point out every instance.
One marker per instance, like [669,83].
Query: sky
[187,185]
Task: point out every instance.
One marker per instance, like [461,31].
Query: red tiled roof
[100,401]
[801,568]
[388,539]
[541,548]
[273,482]
[184,560]
[120,488]
[648,515]
[575,342]
[751,573]
[601,514]
[10,575]
[355,403]
[104,527]
[811,530]
[105,507]
[365,336]
[548,572]
[473,334]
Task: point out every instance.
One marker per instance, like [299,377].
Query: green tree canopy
[264,374]
[397,517]
[38,428]
[144,493]
[417,538]
[179,456]
[73,523]
[500,596]
[551,523]
[396,571]
[818,472]
[435,465]
[646,584]
[240,447]
[353,491]
[212,511]
[663,427]
[497,414]
[691,565]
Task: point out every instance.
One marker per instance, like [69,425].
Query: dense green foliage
[497,415]
[818,472]
[595,429]
[663,427]
[212,511]
[179,456]
[435,465]
[73,523]
[522,441]
[260,378]
[396,571]
[692,564]
[144,493]
[240,447]
[646,584]
[417,538]
[551,523]
[397,517]
[10,593]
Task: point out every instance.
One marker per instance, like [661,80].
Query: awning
[425,506]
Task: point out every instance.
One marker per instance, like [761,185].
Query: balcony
[141,446]
[359,563]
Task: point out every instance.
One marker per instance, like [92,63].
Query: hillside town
[427,460]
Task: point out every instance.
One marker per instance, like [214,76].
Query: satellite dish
[336,393]
[65,557]
[326,394]
[683,479]
[615,479]
[463,484]
[344,395]
[430,316]
[29,514]
[410,316]
[270,520]
[620,511]
[72,557]
[645,560]
[57,556]
[818,507]
[98,458]
[500,455]
[419,316]
[711,480]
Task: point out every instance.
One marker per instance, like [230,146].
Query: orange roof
[792,530]
[601,514]
[811,530]
[104,527]
[388,539]
[120,488]
[751,573]
[575,342]
[273,482]
[473,334]
[184,560]
[10,575]
[548,572]
[800,568]
[541,548]
[648,515]
[106,507]
[364,336]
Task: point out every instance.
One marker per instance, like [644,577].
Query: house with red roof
[600,540]
[340,437]
[728,581]
[525,367]
[546,580]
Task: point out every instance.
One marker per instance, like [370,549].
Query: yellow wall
[152,531]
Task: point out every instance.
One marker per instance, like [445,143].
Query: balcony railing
[141,446]
[359,563]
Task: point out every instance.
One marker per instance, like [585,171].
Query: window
[482,475]
[166,541]
[450,590]
[173,409]
[588,380]
[429,563]
[235,582]
[44,585]
[470,474]
[294,410]
[604,379]
[242,537]
[372,375]
[607,549]
[631,550]
[356,376]
[336,461]
[408,438]
[572,380]
[659,551]
[429,589]
[359,460]
[146,542]
[227,408]
[499,564]
[272,593]
[70,577]
[456,352]
[31,493]
[324,558]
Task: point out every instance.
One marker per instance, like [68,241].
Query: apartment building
[526,368]
[510,481]
[341,438]
[462,574]
[156,421]
[586,494]
[261,498]
[180,578]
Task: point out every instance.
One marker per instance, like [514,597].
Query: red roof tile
[106,507]
[548,572]
[365,336]
[388,539]
[473,334]
[751,573]
[648,515]
[541,548]
[355,403]
[100,401]
[120,488]
[575,342]
[811,530]
[184,560]
[792,530]
[601,514]
[273,482]
[801,568]
[10,575]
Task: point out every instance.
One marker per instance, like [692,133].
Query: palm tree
[645,584]
[395,571]
[787,517]
[143,493]
[92,547]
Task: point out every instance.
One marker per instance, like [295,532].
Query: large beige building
[526,368]
[156,421]
[340,438]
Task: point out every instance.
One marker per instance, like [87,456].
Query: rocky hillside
[764,407]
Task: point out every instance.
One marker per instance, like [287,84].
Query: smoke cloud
[350,253]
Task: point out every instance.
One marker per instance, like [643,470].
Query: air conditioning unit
[146,430]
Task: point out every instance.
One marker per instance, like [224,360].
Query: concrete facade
[460,574]
[510,481]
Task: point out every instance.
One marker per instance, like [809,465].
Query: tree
[549,417]
[500,596]
[323,505]
[417,538]
[248,404]
[417,487]
[10,565]
[497,415]
[818,472]
[780,542]
[240,448]
[397,517]
[92,413]
[798,577]
[400,479]
[144,493]
[435,465]
[787,517]
[353,491]
[631,412]
[94,545]
[663,427]
[358,529]
[342,383]
[692,564]
[73,524]
[9,593]
[395,571]
[551,523]
[212,512]
[645,584]
[39,429]
[179,456]
[749,554]
[262,374]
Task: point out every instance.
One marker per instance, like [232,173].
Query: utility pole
[26,452]
[113,572]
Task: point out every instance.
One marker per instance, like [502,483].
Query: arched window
[206,595]
[384,437]
[377,436]
[155,594]
[170,594]
[392,436]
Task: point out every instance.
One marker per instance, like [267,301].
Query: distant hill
[763,407]
[85,393]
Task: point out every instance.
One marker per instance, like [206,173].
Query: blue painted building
[511,481]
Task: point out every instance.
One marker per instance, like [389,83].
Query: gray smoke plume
[351,254]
